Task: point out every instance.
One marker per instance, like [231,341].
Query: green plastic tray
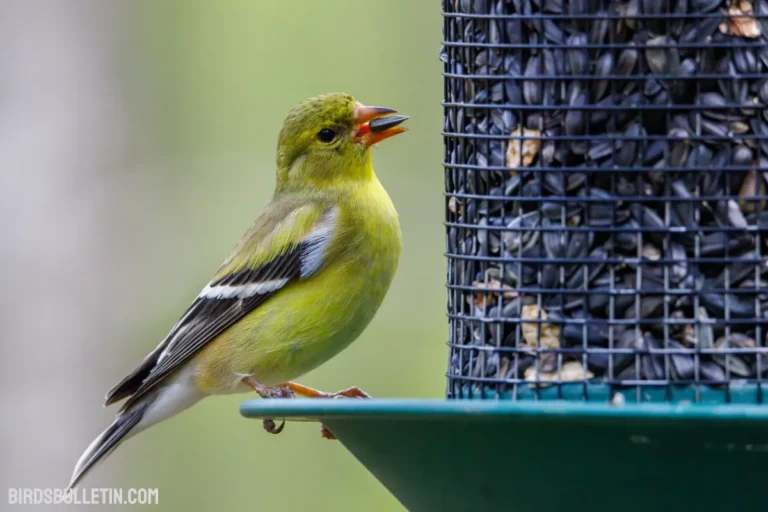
[498,455]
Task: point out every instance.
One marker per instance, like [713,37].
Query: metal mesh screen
[606,164]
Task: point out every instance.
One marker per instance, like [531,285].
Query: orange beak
[374,124]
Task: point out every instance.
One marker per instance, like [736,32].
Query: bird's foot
[353,392]
[267,392]
[290,390]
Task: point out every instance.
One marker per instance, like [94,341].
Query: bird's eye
[326,135]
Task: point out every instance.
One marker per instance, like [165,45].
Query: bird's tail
[176,395]
[108,440]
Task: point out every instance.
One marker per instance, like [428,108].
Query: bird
[302,284]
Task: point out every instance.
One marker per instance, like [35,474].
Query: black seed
[603,67]
[665,60]
[577,58]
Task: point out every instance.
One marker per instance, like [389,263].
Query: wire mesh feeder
[606,165]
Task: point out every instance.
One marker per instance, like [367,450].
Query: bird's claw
[277,392]
[327,434]
[270,426]
[353,392]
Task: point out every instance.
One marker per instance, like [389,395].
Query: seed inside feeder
[741,21]
[522,152]
[571,371]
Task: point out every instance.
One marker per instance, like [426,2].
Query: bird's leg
[267,392]
[306,391]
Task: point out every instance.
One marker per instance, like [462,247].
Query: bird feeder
[606,182]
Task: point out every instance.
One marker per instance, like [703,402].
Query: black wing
[210,315]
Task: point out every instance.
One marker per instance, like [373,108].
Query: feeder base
[490,455]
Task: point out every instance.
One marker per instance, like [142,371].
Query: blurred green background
[199,89]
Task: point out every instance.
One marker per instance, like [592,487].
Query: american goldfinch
[298,288]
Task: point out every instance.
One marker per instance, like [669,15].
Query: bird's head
[327,139]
